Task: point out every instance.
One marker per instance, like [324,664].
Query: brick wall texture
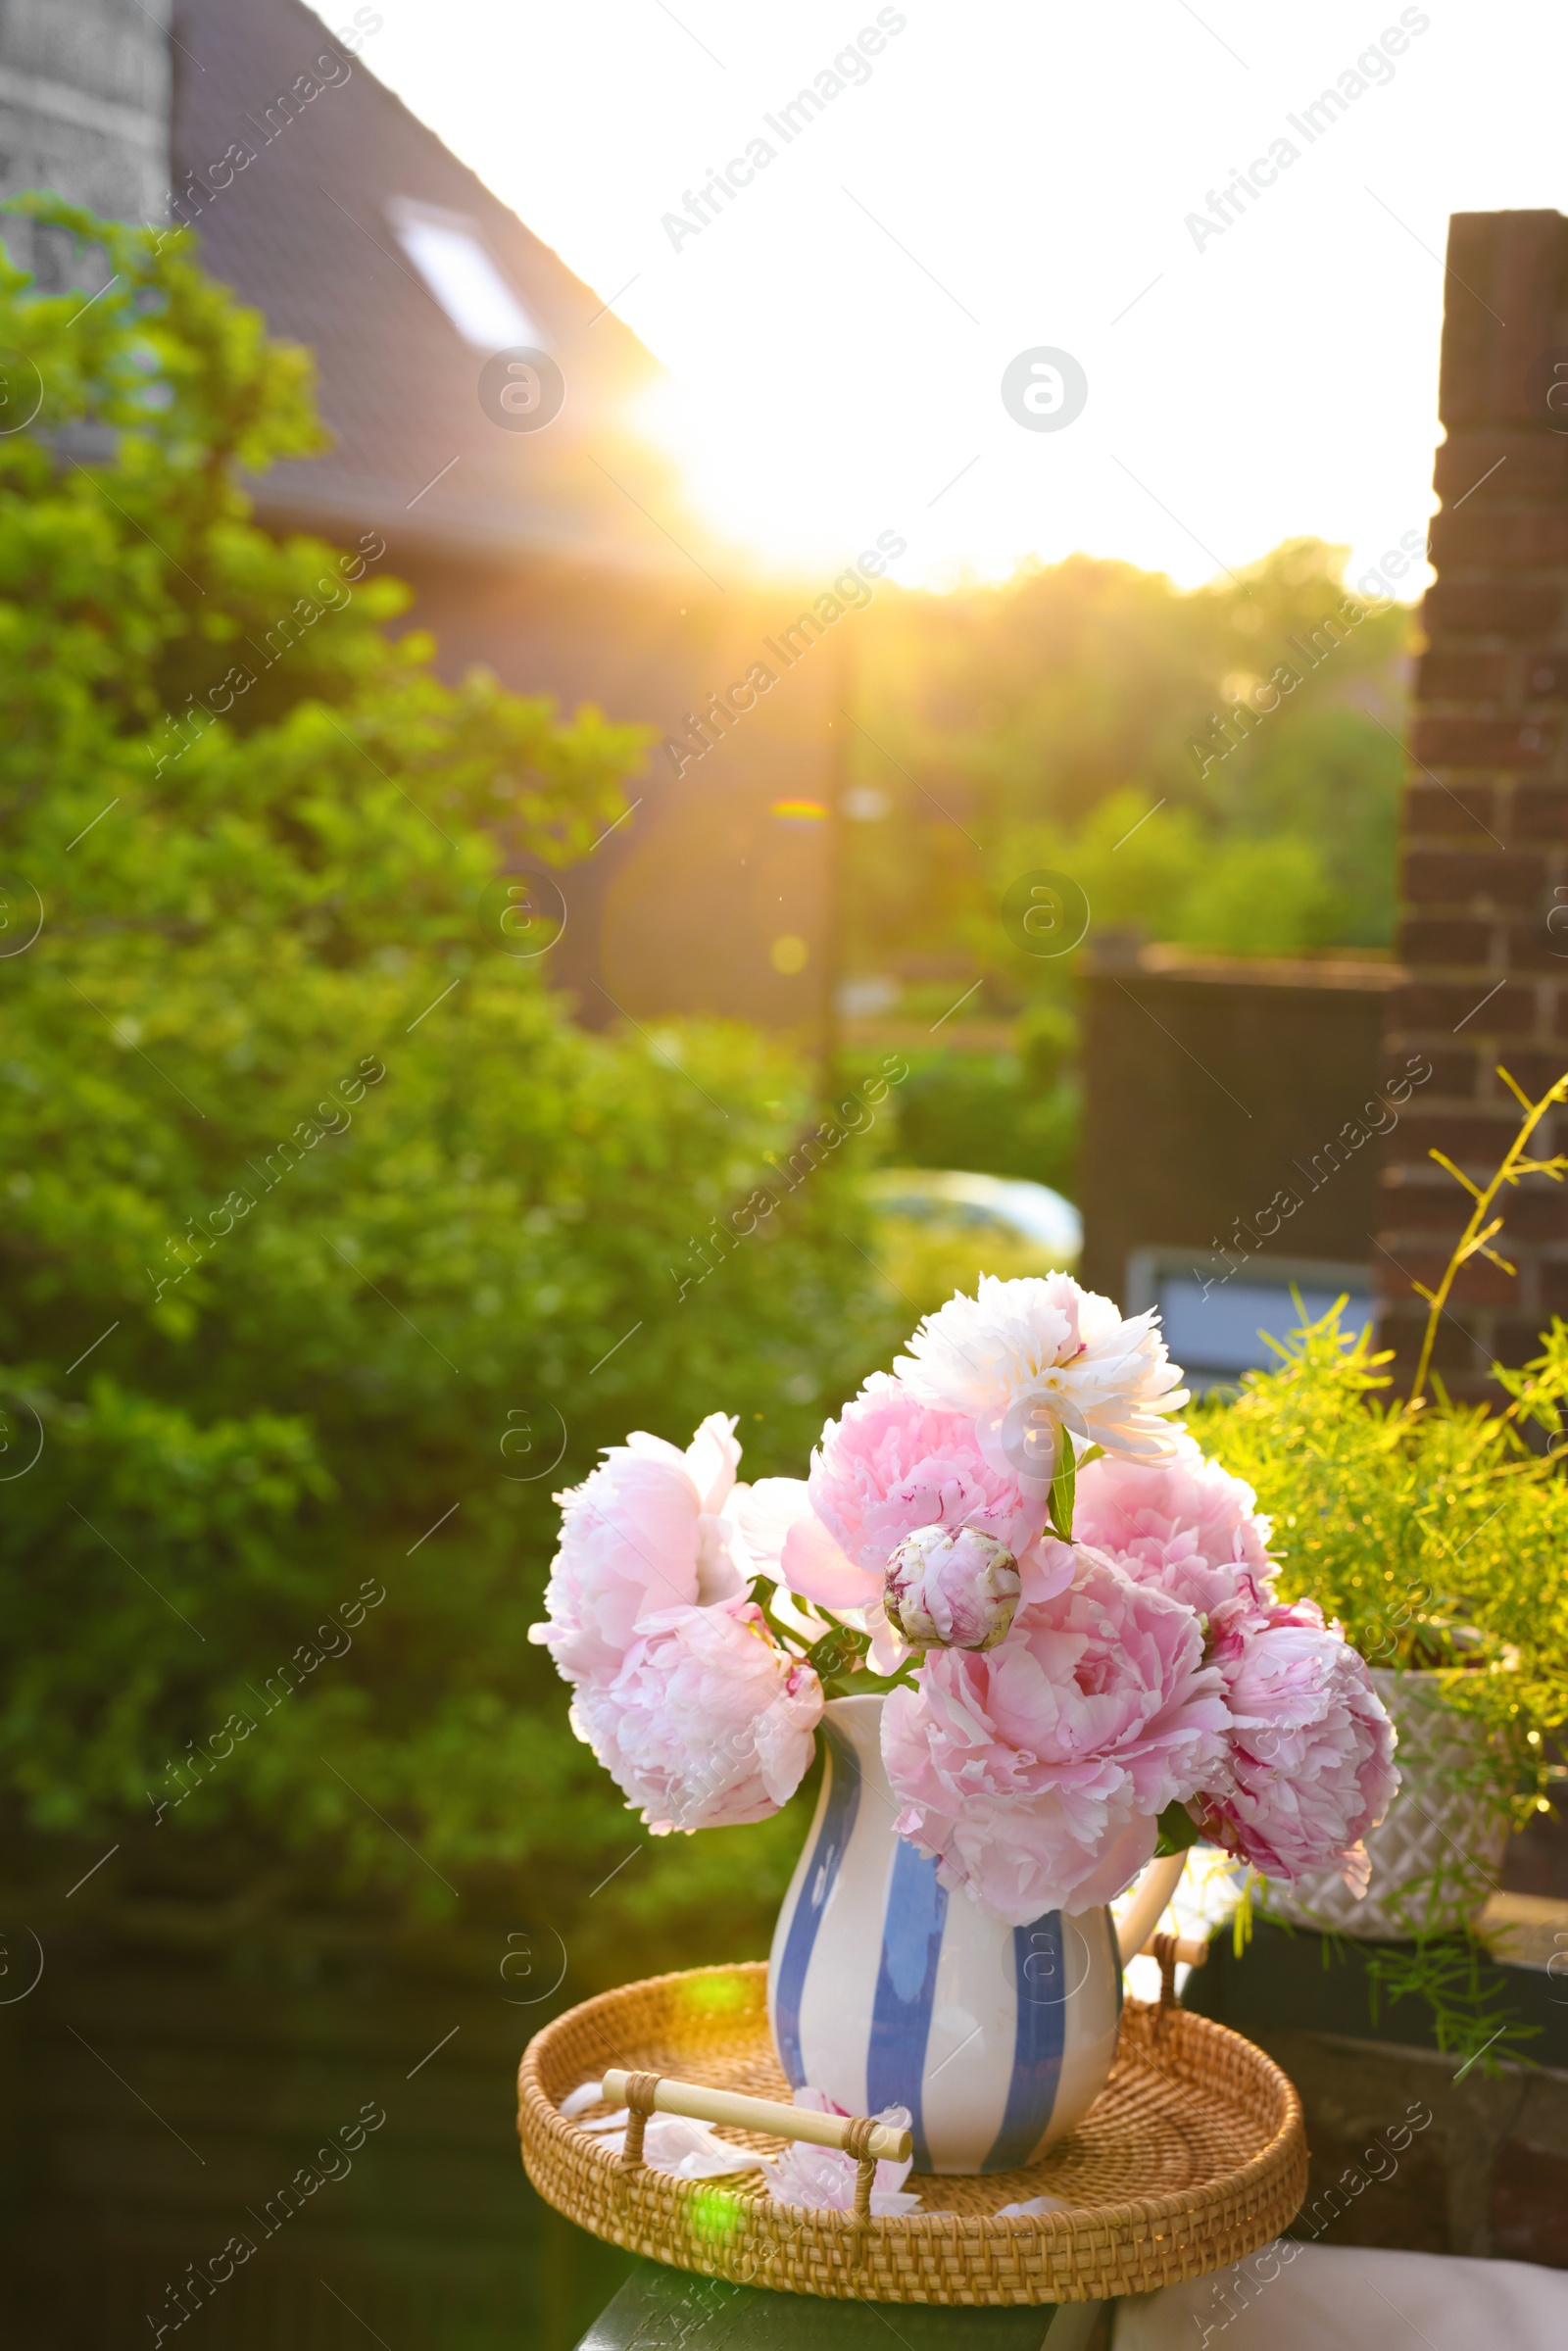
[84,105]
[1484,887]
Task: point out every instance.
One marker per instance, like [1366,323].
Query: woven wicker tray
[1192,2156]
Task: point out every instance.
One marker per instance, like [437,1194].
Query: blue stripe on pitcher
[1039,1964]
[913,1927]
[838,1827]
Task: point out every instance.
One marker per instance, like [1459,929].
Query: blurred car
[1007,1205]
[940,1229]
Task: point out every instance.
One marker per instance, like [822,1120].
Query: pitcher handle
[1155,1887]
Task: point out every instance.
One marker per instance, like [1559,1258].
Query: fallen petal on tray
[824,2181]
[1036,2206]
[672,2144]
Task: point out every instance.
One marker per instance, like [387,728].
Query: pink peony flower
[1309,1763]
[1033,1772]
[1184,1526]
[823,2177]
[707,1724]
[650,1530]
[952,1588]
[1029,1359]
[889,1464]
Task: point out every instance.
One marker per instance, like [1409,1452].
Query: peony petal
[650,1448]
[823,2179]
[725,1568]
[886,1652]
[1355,1867]
[765,1513]
[813,1566]
[711,1458]
[1046,1569]
[1123,1859]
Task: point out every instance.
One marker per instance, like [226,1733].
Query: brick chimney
[1486,806]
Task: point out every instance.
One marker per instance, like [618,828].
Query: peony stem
[1062,1487]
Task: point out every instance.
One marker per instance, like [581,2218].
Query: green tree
[1061,708]
[331,1246]
[1218,768]
[1169,877]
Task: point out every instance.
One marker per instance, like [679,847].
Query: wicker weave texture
[1193,2156]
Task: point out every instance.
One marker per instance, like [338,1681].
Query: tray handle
[859,2135]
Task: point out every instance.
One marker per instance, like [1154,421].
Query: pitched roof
[312,188]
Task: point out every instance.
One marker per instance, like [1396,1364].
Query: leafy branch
[1483,1227]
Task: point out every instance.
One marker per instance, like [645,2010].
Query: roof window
[447,251]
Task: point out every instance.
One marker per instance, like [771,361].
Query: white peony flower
[1029,1358]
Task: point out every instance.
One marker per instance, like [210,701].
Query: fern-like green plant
[1437,1532]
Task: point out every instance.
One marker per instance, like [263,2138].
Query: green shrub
[327,1232]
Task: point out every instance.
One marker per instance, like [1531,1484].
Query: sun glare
[769,501]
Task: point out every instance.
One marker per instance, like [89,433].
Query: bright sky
[1011,176]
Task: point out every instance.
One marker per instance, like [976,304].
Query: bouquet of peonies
[1070,1607]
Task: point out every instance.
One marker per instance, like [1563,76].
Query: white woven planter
[1436,1817]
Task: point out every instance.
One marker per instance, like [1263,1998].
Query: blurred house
[1235,1112]
[84,98]
[552,547]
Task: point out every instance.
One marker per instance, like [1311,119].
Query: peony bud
[952,1588]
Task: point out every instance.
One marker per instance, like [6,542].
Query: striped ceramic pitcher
[883,1991]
